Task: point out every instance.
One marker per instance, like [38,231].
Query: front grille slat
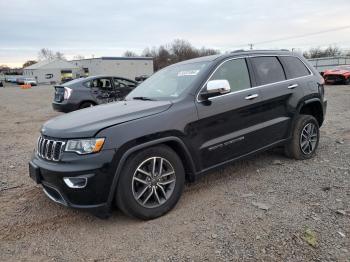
[38,143]
[57,150]
[50,149]
[41,146]
[46,148]
[53,149]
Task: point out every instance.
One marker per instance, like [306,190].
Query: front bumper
[97,168]
[335,79]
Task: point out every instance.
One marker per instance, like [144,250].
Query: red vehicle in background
[339,75]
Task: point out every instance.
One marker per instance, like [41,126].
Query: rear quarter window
[294,67]
[87,84]
[268,69]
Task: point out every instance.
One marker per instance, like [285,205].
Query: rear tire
[86,105]
[154,190]
[305,138]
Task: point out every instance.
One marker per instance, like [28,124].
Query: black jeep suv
[183,121]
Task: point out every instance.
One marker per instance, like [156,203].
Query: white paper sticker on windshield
[188,73]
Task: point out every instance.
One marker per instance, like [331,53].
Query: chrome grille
[50,149]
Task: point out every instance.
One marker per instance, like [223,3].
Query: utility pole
[251,46]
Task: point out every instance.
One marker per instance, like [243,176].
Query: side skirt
[230,161]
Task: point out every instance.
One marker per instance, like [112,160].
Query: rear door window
[235,72]
[268,69]
[100,83]
[123,82]
[294,67]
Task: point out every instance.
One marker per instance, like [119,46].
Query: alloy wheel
[308,138]
[153,182]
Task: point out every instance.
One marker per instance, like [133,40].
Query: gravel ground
[267,208]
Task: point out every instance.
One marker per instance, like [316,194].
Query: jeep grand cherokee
[182,122]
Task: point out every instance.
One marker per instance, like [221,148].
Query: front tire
[151,183]
[305,138]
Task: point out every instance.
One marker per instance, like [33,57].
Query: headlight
[85,146]
[67,92]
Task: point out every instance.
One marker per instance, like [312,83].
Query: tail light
[321,87]
[67,93]
[322,82]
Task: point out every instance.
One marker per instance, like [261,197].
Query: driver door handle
[251,97]
[293,86]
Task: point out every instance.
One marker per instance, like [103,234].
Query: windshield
[168,83]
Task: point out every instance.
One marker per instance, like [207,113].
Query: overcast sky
[108,28]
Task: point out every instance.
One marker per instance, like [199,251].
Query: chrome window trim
[255,87]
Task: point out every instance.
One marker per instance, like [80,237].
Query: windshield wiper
[145,98]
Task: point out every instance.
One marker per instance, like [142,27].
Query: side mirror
[215,88]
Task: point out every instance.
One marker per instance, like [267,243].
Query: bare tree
[182,50]
[332,51]
[60,55]
[318,52]
[129,53]
[46,53]
[208,51]
[176,51]
[148,52]
[4,68]
[29,63]
[163,58]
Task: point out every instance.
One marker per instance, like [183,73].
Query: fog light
[76,182]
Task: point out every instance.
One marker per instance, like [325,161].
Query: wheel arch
[87,101]
[314,108]
[173,142]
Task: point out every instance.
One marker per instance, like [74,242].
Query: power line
[297,36]
[304,35]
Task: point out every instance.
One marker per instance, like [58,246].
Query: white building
[52,71]
[57,70]
[128,67]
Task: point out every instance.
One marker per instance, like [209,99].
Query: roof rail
[258,50]
[238,50]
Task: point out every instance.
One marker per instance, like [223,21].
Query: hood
[337,72]
[87,122]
